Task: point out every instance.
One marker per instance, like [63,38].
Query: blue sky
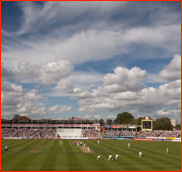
[91,59]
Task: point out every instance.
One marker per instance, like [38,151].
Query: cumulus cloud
[166,113]
[110,117]
[31,108]
[16,99]
[116,95]
[124,79]
[85,79]
[32,95]
[59,109]
[173,70]
[88,116]
[97,116]
[5,73]
[46,74]
[63,85]
[79,93]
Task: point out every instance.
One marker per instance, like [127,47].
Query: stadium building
[74,123]
[74,127]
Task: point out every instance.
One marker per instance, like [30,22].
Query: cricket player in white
[167,150]
[6,147]
[88,148]
[110,156]
[129,145]
[77,144]
[60,142]
[99,157]
[98,142]
[140,154]
[117,157]
[84,144]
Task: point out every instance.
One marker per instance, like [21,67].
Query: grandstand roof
[18,118]
[147,118]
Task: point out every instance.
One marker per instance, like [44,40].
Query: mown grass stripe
[73,162]
[61,163]
[12,157]
[154,156]
[34,158]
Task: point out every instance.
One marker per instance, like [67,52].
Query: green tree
[124,118]
[154,125]
[139,120]
[178,126]
[163,124]
[109,122]
[102,122]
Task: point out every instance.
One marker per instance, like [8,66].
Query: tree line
[127,118]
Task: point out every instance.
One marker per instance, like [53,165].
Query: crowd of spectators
[157,133]
[27,132]
[49,132]
[123,126]
[119,133]
[91,133]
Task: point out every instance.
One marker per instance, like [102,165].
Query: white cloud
[47,74]
[134,111]
[59,109]
[88,116]
[63,85]
[18,100]
[5,73]
[36,17]
[114,95]
[173,70]
[92,45]
[79,93]
[85,79]
[97,116]
[166,113]
[110,117]
[124,79]
[32,95]
[31,108]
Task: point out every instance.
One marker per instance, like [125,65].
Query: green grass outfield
[49,155]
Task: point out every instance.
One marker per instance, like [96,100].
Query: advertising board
[128,138]
[142,139]
[158,139]
[12,137]
[120,138]
[74,137]
[169,137]
[116,126]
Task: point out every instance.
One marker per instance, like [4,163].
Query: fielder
[117,157]
[84,144]
[99,157]
[88,148]
[98,142]
[167,150]
[110,157]
[129,145]
[60,142]
[77,144]
[140,154]
[6,147]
